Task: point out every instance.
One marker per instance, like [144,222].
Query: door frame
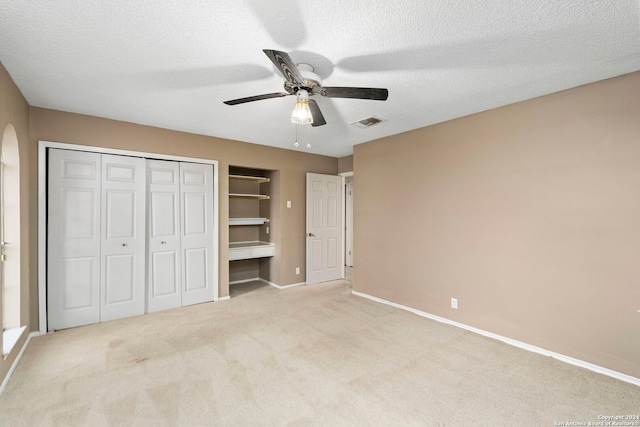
[42,211]
[345,175]
[348,224]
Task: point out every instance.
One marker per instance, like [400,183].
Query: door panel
[164,271]
[73,243]
[196,191]
[120,280]
[195,221]
[195,269]
[76,272]
[121,211]
[163,213]
[123,246]
[324,228]
[164,276]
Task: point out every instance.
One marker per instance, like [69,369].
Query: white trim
[282,287]
[42,212]
[235,282]
[348,223]
[227,298]
[9,339]
[258,279]
[343,233]
[345,174]
[15,362]
[561,357]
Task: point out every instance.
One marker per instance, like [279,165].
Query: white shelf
[258,179]
[249,196]
[248,221]
[249,250]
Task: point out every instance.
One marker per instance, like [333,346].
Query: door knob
[311,235]
[124,244]
[163,242]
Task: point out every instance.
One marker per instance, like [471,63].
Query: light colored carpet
[309,355]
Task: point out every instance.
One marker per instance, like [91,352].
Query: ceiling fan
[300,80]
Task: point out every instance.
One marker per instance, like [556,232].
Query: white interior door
[73,270]
[123,243]
[164,276]
[324,228]
[196,205]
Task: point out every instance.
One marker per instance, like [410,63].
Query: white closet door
[123,230]
[164,271]
[196,195]
[73,272]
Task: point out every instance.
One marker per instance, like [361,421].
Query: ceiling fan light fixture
[301,113]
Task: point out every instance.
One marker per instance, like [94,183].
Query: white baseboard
[282,287]
[235,282]
[227,298]
[573,361]
[15,362]
[258,279]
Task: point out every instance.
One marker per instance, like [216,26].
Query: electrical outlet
[297,270]
[267,229]
[288,203]
[454,302]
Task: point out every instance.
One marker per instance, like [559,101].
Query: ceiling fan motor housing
[312,81]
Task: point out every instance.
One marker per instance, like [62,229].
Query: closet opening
[115,205]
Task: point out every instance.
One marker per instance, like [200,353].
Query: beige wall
[14,110]
[528,214]
[50,125]
[345,164]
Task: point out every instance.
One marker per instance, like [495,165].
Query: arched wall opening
[10,237]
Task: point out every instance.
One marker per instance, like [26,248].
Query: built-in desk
[249,250]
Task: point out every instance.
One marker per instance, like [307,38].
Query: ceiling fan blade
[285,65]
[318,118]
[256,98]
[355,92]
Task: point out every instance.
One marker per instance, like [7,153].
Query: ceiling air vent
[368,122]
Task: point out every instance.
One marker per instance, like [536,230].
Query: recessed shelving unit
[246,243]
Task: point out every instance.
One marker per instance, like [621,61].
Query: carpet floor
[304,356]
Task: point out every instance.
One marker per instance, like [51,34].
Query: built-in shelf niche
[248,204]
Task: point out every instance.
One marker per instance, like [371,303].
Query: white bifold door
[126,235]
[122,219]
[96,244]
[180,234]
[74,239]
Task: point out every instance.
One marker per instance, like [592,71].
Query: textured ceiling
[171,63]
